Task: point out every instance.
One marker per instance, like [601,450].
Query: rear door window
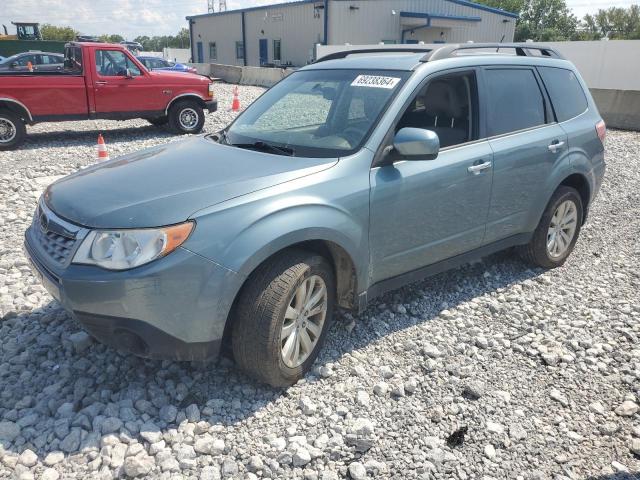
[514,101]
[566,93]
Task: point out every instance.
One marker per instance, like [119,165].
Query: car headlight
[211,93]
[124,249]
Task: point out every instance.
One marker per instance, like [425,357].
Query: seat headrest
[441,99]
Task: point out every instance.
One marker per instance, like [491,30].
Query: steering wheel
[353,135]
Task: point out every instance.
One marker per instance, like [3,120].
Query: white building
[286,33]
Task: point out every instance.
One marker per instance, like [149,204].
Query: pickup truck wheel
[282,316]
[558,230]
[12,130]
[158,121]
[186,116]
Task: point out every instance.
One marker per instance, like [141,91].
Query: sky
[131,18]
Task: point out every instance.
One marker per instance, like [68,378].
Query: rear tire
[12,130]
[186,116]
[273,314]
[557,232]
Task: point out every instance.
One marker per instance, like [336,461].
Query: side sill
[399,281]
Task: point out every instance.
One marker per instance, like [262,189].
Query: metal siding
[373,21]
[225,30]
[298,30]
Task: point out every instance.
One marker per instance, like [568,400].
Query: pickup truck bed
[102,81]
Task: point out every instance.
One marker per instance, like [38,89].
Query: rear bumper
[174,308]
[211,105]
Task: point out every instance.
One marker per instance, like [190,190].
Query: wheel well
[185,97]
[580,183]
[16,108]
[343,267]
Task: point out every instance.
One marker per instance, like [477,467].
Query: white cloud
[129,18]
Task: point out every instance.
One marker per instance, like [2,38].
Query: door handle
[555,146]
[477,169]
[100,82]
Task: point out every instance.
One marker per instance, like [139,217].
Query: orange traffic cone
[235,105]
[102,149]
[30,67]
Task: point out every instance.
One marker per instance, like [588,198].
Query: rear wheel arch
[16,107]
[581,184]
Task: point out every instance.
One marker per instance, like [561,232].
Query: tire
[537,251]
[260,311]
[192,123]
[12,130]
[158,121]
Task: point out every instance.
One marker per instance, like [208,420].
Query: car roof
[409,58]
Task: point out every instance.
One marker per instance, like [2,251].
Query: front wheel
[12,130]
[558,230]
[186,116]
[282,317]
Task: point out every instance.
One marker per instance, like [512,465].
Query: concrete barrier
[202,68]
[228,73]
[619,108]
[263,77]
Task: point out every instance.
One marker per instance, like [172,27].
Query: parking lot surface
[491,371]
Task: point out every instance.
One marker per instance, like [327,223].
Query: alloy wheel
[562,229]
[303,321]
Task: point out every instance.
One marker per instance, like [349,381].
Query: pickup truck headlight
[211,90]
[124,249]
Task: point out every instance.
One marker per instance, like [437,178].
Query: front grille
[58,247]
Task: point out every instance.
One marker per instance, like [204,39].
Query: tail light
[601,130]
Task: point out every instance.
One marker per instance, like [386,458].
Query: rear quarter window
[566,93]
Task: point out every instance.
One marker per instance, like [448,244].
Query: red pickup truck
[102,80]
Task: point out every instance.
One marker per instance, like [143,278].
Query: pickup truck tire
[558,230]
[186,116]
[276,335]
[12,130]
[158,121]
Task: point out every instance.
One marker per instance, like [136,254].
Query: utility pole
[210,5]
[222,5]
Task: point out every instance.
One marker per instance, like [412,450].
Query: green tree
[111,38]
[157,43]
[62,34]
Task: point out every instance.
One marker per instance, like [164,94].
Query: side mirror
[14,64]
[416,143]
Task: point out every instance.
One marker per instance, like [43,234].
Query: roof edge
[486,8]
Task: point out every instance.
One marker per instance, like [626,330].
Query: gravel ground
[491,371]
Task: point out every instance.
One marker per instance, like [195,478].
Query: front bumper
[173,308]
[211,105]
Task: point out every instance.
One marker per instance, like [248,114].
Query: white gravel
[492,371]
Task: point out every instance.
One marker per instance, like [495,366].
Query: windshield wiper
[266,147]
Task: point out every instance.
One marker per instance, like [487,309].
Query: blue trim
[485,8]
[440,15]
[326,22]
[251,9]
[244,42]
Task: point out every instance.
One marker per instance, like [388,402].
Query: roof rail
[399,49]
[521,49]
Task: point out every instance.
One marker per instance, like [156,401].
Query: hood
[180,76]
[168,183]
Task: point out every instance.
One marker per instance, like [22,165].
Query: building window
[213,51]
[276,50]
[239,49]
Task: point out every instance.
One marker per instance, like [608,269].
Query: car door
[528,145]
[425,211]
[116,92]
[21,64]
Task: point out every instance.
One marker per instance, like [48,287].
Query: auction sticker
[375,81]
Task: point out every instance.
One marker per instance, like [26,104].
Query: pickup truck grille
[58,247]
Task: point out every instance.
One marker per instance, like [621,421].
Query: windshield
[317,113]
